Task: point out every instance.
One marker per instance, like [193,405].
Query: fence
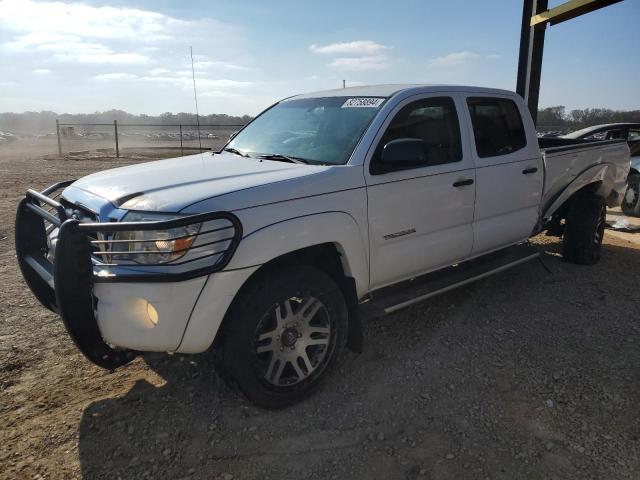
[119,137]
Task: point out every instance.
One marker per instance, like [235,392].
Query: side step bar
[396,297]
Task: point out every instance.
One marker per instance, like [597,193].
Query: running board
[396,297]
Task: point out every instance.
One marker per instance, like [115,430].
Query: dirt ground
[528,374]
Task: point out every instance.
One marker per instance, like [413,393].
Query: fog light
[152,313]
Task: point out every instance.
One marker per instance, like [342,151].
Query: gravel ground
[528,374]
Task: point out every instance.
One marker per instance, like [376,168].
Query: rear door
[509,171]
[420,217]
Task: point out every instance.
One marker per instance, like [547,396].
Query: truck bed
[565,159]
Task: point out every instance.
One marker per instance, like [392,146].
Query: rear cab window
[497,126]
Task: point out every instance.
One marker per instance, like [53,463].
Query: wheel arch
[596,179]
[290,237]
[327,257]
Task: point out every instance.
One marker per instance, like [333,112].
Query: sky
[133,55]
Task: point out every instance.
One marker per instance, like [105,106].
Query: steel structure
[535,17]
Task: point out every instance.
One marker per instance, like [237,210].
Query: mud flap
[355,340]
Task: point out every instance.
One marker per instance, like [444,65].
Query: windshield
[316,130]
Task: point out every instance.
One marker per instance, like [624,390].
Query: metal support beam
[569,10]
[535,17]
[530,58]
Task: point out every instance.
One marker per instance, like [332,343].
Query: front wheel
[584,229]
[631,200]
[284,334]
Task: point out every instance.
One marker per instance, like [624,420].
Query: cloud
[453,59]
[356,56]
[359,64]
[178,79]
[86,34]
[77,19]
[116,76]
[355,48]
[158,71]
[87,44]
[459,58]
[202,84]
[104,58]
[217,64]
[41,71]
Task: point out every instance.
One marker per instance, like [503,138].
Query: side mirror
[403,153]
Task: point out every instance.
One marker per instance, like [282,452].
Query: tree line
[45,122]
[556,118]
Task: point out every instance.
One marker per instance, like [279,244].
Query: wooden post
[181,148]
[58,134]
[115,130]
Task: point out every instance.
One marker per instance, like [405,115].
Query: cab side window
[433,121]
[497,126]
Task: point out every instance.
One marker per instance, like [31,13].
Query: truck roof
[389,90]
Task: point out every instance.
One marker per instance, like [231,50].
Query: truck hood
[173,184]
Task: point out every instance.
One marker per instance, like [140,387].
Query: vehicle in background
[631,200]
[611,131]
[372,197]
[6,137]
[551,133]
[623,131]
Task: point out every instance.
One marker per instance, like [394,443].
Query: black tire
[631,200]
[295,314]
[584,229]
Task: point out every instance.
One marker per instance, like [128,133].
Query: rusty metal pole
[58,134]
[115,130]
[181,148]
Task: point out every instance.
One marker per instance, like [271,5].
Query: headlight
[153,246]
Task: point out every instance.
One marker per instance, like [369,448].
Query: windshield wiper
[283,158]
[236,151]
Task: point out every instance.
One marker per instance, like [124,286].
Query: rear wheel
[284,335]
[631,200]
[584,229]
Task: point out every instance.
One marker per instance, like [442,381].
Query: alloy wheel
[292,340]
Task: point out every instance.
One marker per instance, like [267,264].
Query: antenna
[195,97]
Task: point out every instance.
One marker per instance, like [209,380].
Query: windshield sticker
[363,102]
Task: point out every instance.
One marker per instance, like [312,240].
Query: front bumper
[68,282]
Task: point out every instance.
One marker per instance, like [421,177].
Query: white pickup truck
[264,251]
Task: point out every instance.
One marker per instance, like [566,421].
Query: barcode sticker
[363,102]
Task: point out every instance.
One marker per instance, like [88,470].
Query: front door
[420,215]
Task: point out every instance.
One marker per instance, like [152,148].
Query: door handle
[528,171]
[463,183]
